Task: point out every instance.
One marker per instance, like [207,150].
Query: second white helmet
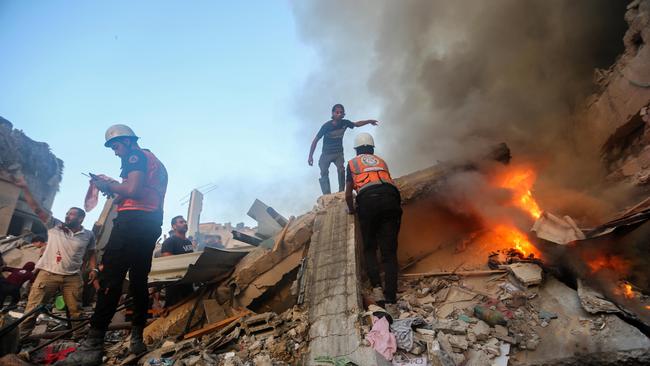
[364,139]
[116,131]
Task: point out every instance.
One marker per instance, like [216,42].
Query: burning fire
[625,289]
[517,239]
[614,263]
[520,182]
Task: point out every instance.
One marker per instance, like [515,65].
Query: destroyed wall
[614,114]
[225,232]
[42,170]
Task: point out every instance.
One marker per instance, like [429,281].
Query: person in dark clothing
[332,133]
[378,204]
[176,244]
[10,286]
[136,228]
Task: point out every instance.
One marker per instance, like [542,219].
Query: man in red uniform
[139,198]
[380,214]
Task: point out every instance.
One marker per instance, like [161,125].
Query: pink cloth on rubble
[92,195]
[381,339]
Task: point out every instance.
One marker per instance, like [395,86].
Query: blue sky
[208,86]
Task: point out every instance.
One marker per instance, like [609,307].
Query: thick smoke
[450,78]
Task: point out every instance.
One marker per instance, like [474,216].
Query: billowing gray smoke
[449,78]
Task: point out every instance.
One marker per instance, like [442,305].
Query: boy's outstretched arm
[365,122]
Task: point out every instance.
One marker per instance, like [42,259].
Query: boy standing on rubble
[380,214]
[139,200]
[332,133]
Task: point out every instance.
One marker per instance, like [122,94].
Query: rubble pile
[521,315]
[253,339]
[458,320]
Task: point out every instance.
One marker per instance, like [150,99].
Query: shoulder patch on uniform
[133,159]
[369,160]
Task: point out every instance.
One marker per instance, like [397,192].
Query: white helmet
[116,131]
[364,139]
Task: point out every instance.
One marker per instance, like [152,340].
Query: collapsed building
[22,156]
[487,275]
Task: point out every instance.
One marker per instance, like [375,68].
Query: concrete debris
[481,330]
[527,273]
[593,301]
[507,329]
[269,221]
[557,230]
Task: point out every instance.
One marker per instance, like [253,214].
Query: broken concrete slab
[593,301]
[557,230]
[527,274]
[261,260]
[172,324]
[450,326]
[268,279]
[481,330]
[567,341]
[269,221]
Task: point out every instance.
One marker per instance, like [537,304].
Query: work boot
[137,340]
[325,185]
[89,353]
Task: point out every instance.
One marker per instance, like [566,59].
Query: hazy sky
[208,86]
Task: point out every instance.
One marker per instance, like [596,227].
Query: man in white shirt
[69,245]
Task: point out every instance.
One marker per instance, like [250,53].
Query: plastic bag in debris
[403,331]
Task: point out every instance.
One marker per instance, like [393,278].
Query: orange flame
[614,263]
[625,289]
[521,181]
[514,237]
[647,307]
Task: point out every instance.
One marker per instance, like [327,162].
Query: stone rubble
[456,335]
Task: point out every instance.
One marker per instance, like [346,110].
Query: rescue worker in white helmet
[378,204]
[139,198]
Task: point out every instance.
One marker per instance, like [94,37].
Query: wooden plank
[216,326]
[458,273]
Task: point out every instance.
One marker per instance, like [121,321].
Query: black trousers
[380,216]
[11,290]
[129,249]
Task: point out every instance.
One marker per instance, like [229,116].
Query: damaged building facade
[20,155]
